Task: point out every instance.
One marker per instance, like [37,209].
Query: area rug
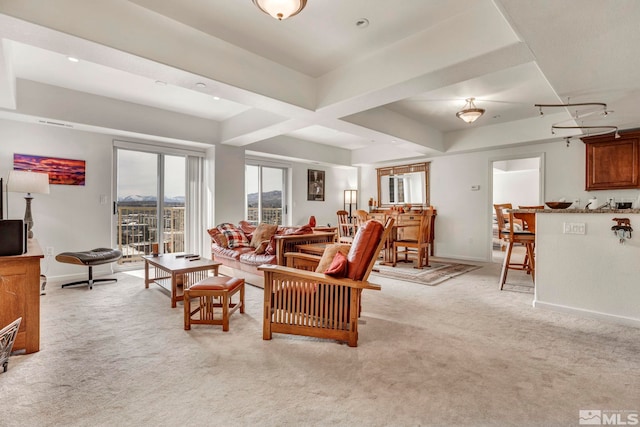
[438,272]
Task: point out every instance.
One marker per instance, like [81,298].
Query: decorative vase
[312,221]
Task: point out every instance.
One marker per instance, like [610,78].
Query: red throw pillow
[338,267]
[305,229]
[271,247]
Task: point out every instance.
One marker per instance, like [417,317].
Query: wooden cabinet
[408,226]
[20,296]
[613,163]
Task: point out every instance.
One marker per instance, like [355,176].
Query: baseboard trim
[623,320]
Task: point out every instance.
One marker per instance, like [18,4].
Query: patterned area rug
[434,275]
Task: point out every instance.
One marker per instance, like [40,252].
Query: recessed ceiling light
[217,98]
[73,59]
[200,84]
[362,23]
[161,83]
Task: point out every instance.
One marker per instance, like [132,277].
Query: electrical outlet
[574,228]
[48,251]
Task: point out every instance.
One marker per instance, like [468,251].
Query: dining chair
[417,249]
[361,217]
[503,221]
[346,230]
[528,219]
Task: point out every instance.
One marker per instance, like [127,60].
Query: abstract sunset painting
[61,171]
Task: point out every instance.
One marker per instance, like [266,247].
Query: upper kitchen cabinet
[613,163]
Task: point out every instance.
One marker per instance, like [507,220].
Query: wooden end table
[175,272]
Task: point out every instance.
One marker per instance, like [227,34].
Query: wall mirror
[404,184]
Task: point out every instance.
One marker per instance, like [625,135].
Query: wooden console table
[20,295]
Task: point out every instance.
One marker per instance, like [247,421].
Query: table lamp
[28,182]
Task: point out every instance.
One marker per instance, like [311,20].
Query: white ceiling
[385,92]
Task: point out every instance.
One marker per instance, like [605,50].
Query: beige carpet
[436,273]
[463,354]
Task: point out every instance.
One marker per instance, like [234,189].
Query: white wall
[70,218]
[337,179]
[520,188]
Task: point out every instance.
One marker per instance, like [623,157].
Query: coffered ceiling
[388,91]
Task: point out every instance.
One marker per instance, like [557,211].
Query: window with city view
[265,194]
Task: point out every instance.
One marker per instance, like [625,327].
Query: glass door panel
[137,204]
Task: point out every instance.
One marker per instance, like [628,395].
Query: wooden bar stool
[213,292]
[523,237]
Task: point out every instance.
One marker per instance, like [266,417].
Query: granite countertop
[577,211]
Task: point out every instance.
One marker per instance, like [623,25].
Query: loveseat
[244,247]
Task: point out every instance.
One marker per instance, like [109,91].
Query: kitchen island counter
[582,266]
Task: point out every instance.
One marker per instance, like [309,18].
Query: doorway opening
[515,180]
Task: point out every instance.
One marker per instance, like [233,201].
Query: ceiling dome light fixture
[281,9]
[470,113]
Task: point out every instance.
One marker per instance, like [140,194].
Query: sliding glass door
[150,203]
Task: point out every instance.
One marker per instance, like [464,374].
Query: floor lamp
[350,198]
[28,182]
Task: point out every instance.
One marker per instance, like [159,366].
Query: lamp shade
[28,182]
[350,196]
[281,9]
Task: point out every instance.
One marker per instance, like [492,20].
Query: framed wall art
[61,171]
[315,185]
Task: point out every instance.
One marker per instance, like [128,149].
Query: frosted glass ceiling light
[281,9]
[470,113]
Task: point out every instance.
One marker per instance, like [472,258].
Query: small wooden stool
[219,288]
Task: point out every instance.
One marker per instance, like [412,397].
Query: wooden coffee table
[175,272]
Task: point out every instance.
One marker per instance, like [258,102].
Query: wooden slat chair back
[362,216]
[313,304]
[416,249]
[502,218]
[529,219]
[346,230]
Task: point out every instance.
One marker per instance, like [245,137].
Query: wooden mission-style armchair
[315,304]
